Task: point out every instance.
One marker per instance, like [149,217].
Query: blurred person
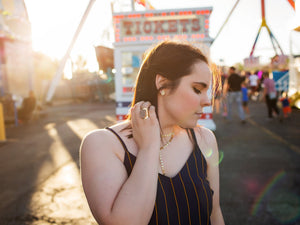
[253,83]
[245,98]
[217,98]
[233,89]
[223,94]
[270,95]
[158,166]
[285,104]
[27,107]
[260,86]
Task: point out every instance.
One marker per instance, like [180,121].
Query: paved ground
[260,169]
[39,170]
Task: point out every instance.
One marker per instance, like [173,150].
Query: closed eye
[197,91]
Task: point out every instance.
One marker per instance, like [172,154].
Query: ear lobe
[160,81]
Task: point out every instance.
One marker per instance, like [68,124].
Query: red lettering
[127,25]
[138,31]
[147,27]
[184,23]
[158,27]
[195,24]
[172,26]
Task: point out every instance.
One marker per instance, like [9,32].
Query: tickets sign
[158,25]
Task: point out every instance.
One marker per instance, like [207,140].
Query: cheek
[189,100]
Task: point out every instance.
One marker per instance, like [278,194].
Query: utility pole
[132,5]
[62,64]
[236,3]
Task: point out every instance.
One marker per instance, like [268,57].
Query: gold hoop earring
[162,92]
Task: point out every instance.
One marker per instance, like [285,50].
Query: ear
[160,81]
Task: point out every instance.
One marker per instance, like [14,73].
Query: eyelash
[197,91]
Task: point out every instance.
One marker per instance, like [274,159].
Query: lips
[199,114]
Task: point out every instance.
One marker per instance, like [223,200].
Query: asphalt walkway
[40,178]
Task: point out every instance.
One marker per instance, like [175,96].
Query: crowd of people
[239,87]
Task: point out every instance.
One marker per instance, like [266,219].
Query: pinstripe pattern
[166,202]
[129,159]
[202,159]
[178,214]
[202,185]
[156,217]
[198,203]
[187,200]
[183,199]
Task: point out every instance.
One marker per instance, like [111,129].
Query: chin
[188,125]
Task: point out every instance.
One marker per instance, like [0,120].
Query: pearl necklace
[161,161]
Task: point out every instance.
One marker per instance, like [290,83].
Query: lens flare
[284,206]
[280,174]
[208,153]
[221,156]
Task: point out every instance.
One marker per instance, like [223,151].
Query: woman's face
[184,105]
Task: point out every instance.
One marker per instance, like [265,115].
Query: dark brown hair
[170,59]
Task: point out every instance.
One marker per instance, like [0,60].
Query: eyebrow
[201,83]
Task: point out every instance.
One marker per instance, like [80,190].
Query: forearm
[135,201]
[217,217]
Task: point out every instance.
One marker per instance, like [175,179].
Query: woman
[157,167]
[270,95]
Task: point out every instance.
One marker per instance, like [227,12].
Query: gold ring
[144,113]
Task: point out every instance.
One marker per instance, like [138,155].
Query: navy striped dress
[185,199]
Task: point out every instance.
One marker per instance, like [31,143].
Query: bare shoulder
[205,135]
[101,140]
[207,143]
[102,169]
[96,140]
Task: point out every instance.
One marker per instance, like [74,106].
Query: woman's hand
[145,126]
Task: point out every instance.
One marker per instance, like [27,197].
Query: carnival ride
[277,49]
[274,41]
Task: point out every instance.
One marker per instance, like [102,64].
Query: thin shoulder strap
[203,160]
[192,132]
[120,139]
[128,160]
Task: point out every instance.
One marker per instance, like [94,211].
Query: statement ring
[144,113]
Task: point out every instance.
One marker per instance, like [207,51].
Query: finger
[152,113]
[144,110]
[135,111]
[145,105]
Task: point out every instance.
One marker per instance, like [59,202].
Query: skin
[115,198]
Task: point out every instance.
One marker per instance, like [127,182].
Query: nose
[205,100]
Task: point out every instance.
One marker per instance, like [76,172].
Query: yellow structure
[2,127]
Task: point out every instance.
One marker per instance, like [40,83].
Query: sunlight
[68,74]
[58,151]
[54,194]
[81,127]
[54,24]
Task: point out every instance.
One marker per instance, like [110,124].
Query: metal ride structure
[285,81]
[146,3]
[274,41]
[148,6]
[62,64]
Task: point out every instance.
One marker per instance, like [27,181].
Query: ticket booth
[137,31]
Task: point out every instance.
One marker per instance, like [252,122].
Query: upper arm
[208,145]
[102,172]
